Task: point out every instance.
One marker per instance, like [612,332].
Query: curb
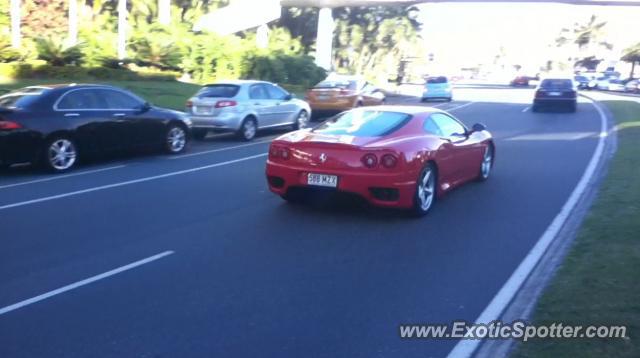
[524,302]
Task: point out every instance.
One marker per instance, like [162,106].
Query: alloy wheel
[62,154]
[176,139]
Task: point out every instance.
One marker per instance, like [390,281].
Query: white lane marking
[61,176]
[84,282]
[526,109]
[459,107]
[465,348]
[219,149]
[135,181]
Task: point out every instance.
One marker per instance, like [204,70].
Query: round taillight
[284,153]
[370,160]
[389,161]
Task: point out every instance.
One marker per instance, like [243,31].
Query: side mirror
[288,97]
[145,107]
[478,127]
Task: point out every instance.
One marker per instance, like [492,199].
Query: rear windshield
[217,91]
[581,78]
[559,83]
[342,84]
[364,123]
[436,80]
[22,97]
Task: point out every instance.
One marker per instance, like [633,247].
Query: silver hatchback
[244,107]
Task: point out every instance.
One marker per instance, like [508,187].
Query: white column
[122,29]
[164,12]
[324,38]
[73,22]
[15,23]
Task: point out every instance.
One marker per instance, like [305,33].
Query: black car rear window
[21,98]
[364,123]
[342,84]
[218,91]
[556,83]
[437,80]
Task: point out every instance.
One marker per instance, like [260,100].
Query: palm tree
[122,29]
[587,37]
[632,54]
[164,12]
[73,23]
[15,23]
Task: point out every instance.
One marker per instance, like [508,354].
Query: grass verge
[599,280]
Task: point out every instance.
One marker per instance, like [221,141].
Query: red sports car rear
[402,157]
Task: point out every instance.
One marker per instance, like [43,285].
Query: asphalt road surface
[241,273]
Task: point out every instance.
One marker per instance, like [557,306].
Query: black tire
[573,107]
[486,167]
[449,99]
[175,139]
[67,154]
[199,134]
[535,108]
[244,133]
[420,206]
[296,124]
[359,104]
[423,100]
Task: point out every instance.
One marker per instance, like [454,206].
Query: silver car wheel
[303,120]
[249,129]
[62,154]
[176,139]
[487,162]
[426,189]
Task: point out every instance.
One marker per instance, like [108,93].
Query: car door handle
[71,114]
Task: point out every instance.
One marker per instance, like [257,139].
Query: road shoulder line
[510,289]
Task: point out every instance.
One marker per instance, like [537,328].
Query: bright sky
[463,34]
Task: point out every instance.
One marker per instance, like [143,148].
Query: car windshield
[437,80]
[556,83]
[21,98]
[364,123]
[217,91]
[342,84]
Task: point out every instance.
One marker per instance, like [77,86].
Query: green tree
[632,54]
[585,41]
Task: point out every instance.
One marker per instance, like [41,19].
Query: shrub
[281,68]
[56,53]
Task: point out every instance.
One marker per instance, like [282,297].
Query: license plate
[330,181]
[322,97]
[555,93]
[203,110]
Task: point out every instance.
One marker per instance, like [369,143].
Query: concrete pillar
[15,23]
[122,29]
[164,12]
[324,39]
[73,23]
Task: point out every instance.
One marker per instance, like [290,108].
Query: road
[243,274]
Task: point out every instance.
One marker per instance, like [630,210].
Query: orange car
[340,93]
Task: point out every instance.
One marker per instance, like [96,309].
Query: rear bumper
[380,189]
[437,94]
[552,101]
[340,104]
[225,122]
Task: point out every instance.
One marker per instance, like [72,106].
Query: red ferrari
[393,156]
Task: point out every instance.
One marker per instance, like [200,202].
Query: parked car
[616,85]
[520,81]
[339,93]
[632,86]
[437,87]
[602,83]
[392,156]
[582,82]
[556,92]
[56,125]
[244,107]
